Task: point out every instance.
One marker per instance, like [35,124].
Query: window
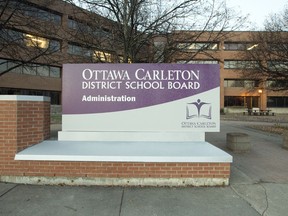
[121,59]
[278,46]
[239,46]
[43,70]
[235,64]
[30,69]
[54,45]
[198,46]
[72,24]
[159,47]
[15,66]
[231,83]
[198,62]
[79,50]
[8,35]
[40,42]
[277,101]
[79,26]
[82,27]
[12,36]
[278,65]
[234,83]
[3,65]
[34,41]
[102,56]
[55,72]
[41,14]
[240,101]
[102,32]
[233,101]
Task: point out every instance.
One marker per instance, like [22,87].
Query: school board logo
[198,109]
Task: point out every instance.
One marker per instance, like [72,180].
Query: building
[229,50]
[69,34]
[42,35]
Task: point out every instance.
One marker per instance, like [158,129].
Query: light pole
[260,91]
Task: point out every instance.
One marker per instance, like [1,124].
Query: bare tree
[22,27]
[270,53]
[146,30]
[110,30]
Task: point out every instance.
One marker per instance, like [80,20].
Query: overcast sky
[258,10]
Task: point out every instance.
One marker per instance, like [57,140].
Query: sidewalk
[258,186]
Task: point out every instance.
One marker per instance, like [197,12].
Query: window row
[241,83]
[30,69]
[239,46]
[278,65]
[228,46]
[240,64]
[241,101]
[249,101]
[55,96]
[250,46]
[197,46]
[277,102]
[8,36]
[231,83]
[96,55]
[85,28]
[28,9]
[198,62]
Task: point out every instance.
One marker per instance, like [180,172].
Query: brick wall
[117,169]
[25,123]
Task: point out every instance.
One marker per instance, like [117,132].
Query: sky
[258,10]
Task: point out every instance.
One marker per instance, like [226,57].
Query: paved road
[258,186]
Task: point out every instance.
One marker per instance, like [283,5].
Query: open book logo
[198,109]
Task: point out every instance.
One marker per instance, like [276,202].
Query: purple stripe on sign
[100,88]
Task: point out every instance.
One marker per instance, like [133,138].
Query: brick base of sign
[105,173]
[25,121]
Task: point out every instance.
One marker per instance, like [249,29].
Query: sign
[141,97]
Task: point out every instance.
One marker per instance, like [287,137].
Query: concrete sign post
[170,99]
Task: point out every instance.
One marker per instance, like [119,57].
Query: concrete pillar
[285,140]
[238,142]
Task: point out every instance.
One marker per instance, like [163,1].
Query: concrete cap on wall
[24,98]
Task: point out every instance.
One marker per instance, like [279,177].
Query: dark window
[54,95]
[241,101]
[239,46]
[233,101]
[277,101]
[41,14]
[30,69]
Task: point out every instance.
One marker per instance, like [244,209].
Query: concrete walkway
[258,186]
